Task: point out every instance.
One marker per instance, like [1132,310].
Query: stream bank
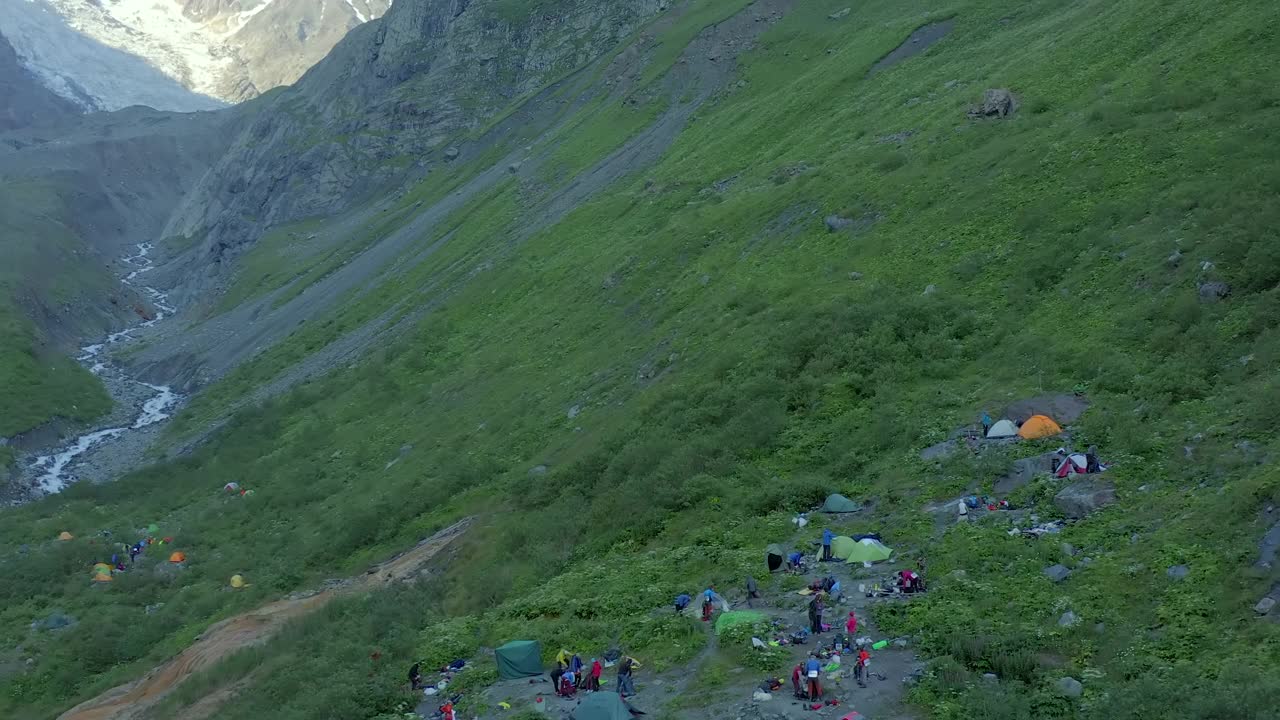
[118,442]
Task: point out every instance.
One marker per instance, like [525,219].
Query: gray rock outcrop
[1081,498]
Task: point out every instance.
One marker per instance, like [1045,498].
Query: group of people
[709,599]
[571,675]
[806,676]
[134,550]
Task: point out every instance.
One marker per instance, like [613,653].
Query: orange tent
[178,557]
[64,535]
[1039,426]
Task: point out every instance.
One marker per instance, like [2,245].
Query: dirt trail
[252,628]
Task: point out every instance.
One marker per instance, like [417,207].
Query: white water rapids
[55,469]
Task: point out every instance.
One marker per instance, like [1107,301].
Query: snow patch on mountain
[87,71]
[174,54]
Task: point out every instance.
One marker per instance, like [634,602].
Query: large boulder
[1081,498]
[1023,471]
[1070,687]
[940,451]
[996,103]
[1213,291]
[1057,573]
[1064,408]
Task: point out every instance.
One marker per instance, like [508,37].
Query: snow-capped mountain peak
[175,54]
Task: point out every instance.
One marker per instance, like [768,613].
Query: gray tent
[602,706]
[840,504]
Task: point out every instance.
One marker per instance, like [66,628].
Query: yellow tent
[101,577]
[101,568]
[237,581]
[1039,426]
[64,535]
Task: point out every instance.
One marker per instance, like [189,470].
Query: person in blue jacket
[827,537]
[813,669]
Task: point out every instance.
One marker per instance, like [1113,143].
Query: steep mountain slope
[177,54]
[23,100]
[679,288]
[74,195]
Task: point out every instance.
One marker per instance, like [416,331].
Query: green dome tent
[519,659]
[735,618]
[602,706]
[839,504]
[869,551]
[842,546]
[774,556]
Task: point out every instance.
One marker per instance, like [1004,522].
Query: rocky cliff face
[383,105]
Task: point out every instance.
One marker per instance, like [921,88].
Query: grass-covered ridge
[728,369]
[44,279]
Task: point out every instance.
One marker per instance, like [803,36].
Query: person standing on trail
[708,603]
[796,673]
[860,667]
[626,668]
[827,537]
[575,669]
[815,615]
[415,677]
[753,590]
[986,423]
[813,668]
[596,669]
[851,625]
[964,512]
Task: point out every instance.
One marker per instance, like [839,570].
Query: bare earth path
[253,628]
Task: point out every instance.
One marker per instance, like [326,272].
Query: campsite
[516,326]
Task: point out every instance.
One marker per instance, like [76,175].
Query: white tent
[1003,429]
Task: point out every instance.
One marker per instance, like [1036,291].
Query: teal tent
[602,706]
[840,504]
[519,659]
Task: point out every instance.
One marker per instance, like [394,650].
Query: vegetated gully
[56,470]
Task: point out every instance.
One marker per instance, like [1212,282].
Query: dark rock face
[409,76]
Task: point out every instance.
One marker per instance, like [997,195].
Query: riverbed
[118,443]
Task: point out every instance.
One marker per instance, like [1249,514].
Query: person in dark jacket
[1091,460]
[415,677]
[815,615]
[753,590]
[626,669]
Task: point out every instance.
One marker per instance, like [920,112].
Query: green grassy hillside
[634,400]
[37,380]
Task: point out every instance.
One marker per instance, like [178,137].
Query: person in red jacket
[851,625]
[860,669]
[596,669]
[796,674]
